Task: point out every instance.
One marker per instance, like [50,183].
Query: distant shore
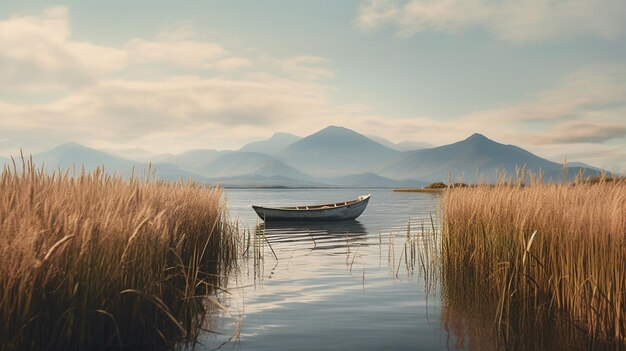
[418,190]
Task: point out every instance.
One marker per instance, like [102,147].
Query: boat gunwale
[324,207]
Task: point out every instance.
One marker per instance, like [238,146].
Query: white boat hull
[331,212]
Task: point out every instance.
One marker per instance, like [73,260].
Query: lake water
[357,285]
[333,286]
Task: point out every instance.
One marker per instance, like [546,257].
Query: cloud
[233,63]
[221,98]
[307,67]
[101,105]
[515,21]
[588,105]
[609,157]
[582,132]
[39,53]
[185,52]
[124,110]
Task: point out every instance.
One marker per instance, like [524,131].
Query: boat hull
[347,212]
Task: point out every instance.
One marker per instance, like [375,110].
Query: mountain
[335,151]
[475,158]
[70,155]
[171,172]
[273,145]
[193,160]
[259,181]
[73,155]
[135,154]
[583,165]
[331,157]
[371,180]
[408,145]
[405,145]
[239,164]
[556,175]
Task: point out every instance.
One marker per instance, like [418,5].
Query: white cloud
[189,53]
[38,52]
[516,21]
[582,132]
[216,105]
[593,95]
[233,63]
[123,110]
[98,109]
[307,67]
[583,118]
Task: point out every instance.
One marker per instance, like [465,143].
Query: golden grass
[95,261]
[546,247]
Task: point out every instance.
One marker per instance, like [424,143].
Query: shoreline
[419,190]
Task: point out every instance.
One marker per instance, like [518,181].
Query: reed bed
[527,252]
[92,261]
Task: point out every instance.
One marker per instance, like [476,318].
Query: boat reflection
[315,235]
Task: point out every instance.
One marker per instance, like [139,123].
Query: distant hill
[335,151]
[75,156]
[238,164]
[572,173]
[135,154]
[582,165]
[331,157]
[193,160]
[475,158]
[273,145]
[366,180]
[171,172]
[259,181]
[69,155]
[403,145]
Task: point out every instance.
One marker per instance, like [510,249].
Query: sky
[546,75]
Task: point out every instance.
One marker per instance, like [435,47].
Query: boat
[337,211]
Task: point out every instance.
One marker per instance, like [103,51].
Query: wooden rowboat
[337,211]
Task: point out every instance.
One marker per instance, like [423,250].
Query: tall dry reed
[556,248]
[98,262]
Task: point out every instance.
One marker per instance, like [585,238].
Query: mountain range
[332,157]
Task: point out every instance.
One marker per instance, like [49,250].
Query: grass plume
[559,248]
[93,261]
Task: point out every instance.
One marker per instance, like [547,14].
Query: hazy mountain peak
[474,159]
[73,150]
[335,150]
[70,145]
[238,164]
[477,137]
[283,135]
[133,153]
[334,136]
[274,144]
[336,130]
[405,145]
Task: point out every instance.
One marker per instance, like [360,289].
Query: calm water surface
[356,285]
[334,286]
